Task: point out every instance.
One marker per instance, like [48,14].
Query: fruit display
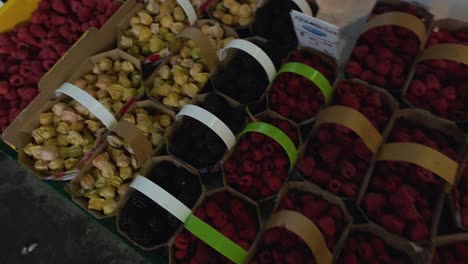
[67,132]
[153,28]
[195,142]
[29,50]
[334,141]
[146,223]
[234,13]
[403,196]
[223,131]
[182,77]
[384,53]
[232,215]
[282,242]
[295,93]
[242,77]
[260,163]
[366,244]
[439,83]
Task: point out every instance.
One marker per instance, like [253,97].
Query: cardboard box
[149,165]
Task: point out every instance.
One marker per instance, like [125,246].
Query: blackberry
[214,103]
[141,237]
[178,145]
[139,201]
[127,223]
[187,197]
[214,144]
[173,222]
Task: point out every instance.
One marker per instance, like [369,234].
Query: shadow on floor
[31,212]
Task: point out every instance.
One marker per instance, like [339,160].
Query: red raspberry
[353,68]
[418,88]
[327,226]
[361,51]
[393,223]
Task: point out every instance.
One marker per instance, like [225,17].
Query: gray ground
[31,212]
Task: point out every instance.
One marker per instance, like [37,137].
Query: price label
[424,3]
[316,34]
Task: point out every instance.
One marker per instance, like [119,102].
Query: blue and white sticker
[316,34]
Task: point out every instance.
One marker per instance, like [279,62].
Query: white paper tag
[424,3]
[161,197]
[211,121]
[189,10]
[93,105]
[316,34]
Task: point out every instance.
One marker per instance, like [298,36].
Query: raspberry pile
[456,253]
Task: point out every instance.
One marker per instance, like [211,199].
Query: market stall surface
[37,225]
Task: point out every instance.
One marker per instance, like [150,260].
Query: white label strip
[304,7]
[161,197]
[89,102]
[1,4]
[254,51]
[211,121]
[189,10]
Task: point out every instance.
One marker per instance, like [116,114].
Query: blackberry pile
[195,143]
[144,221]
[273,22]
[243,78]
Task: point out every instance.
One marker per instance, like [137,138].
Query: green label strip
[276,134]
[313,75]
[216,240]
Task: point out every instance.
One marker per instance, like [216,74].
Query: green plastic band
[215,239]
[276,134]
[313,75]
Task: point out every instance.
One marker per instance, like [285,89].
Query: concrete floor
[31,212]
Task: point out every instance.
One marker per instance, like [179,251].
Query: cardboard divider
[308,72]
[148,166]
[432,123]
[133,139]
[281,219]
[455,197]
[238,259]
[208,55]
[416,254]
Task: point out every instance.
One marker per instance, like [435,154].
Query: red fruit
[271,236]
[361,51]
[334,186]
[440,106]
[408,213]
[418,88]
[432,82]
[349,189]
[274,184]
[371,61]
[182,241]
[350,259]
[27,94]
[374,99]
[383,67]
[4,87]
[353,68]
[294,257]
[257,138]
[449,93]
[220,219]
[248,166]
[320,176]
[257,155]
[384,54]
[404,196]
[281,163]
[306,166]
[418,232]
[347,169]
[335,212]
[374,201]
[330,153]
[393,223]
[351,101]
[314,209]
[327,226]
[366,251]
[211,208]
[367,76]
[246,180]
